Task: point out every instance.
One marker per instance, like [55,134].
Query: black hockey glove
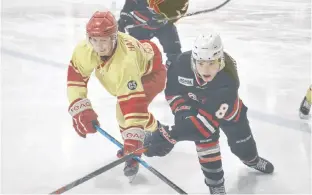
[183,112]
[160,142]
[125,20]
[192,123]
[157,21]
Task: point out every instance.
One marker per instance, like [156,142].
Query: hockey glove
[157,22]
[133,140]
[192,122]
[184,111]
[160,143]
[125,20]
[83,115]
[193,127]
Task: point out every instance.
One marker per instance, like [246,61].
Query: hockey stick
[95,173]
[185,15]
[142,162]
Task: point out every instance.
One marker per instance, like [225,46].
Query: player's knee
[245,148]
[241,140]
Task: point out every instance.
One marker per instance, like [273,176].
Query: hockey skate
[304,109]
[131,169]
[219,189]
[261,165]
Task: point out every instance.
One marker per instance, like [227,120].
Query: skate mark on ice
[32,58]
[280,121]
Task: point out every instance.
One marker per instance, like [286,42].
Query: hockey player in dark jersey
[156,13]
[202,91]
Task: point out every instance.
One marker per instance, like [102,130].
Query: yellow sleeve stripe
[136,114]
[130,97]
[75,83]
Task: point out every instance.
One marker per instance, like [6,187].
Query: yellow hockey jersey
[120,75]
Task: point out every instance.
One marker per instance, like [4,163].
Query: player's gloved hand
[191,123]
[157,21]
[183,112]
[83,116]
[124,20]
[133,140]
[160,143]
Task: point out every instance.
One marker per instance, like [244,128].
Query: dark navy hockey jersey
[218,100]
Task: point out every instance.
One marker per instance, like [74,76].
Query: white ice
[270,39]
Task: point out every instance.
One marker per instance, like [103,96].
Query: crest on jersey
[132,85]
[192,96]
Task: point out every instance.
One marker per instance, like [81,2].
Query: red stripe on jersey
[140,15]
[176,104]
[76,85]
[239,111]
[134,105]
[233,111]
[209,117]
[135,93]
[73,75]
[136,117]
[77,70]
[170,97]
[207,145]
[201,129]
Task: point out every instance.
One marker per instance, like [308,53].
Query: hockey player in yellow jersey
[129,69]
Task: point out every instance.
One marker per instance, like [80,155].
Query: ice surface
[41,152]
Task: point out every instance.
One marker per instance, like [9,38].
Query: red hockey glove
[133,140]
[83,114]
